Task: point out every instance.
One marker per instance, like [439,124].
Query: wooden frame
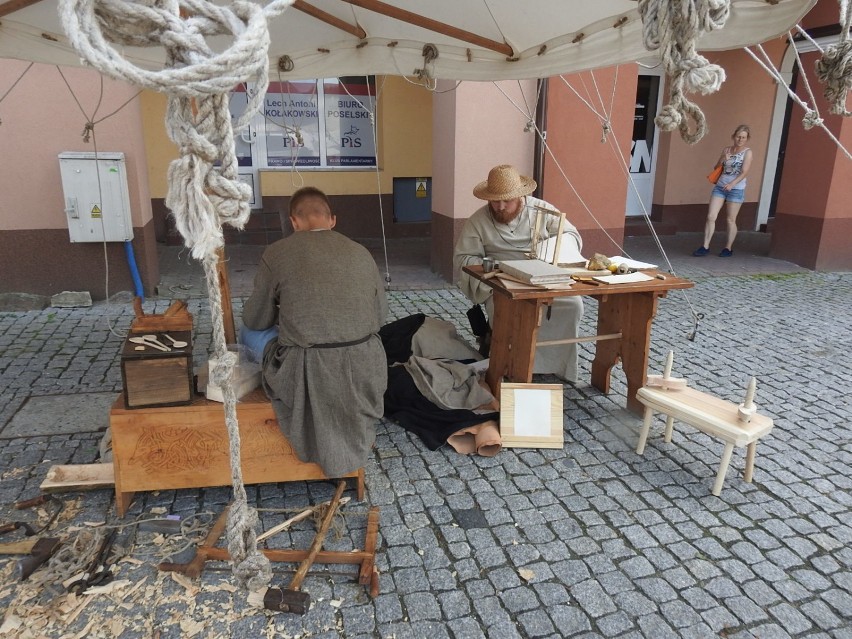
[531,415]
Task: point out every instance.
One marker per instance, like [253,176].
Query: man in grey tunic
[326,371]
[502,229]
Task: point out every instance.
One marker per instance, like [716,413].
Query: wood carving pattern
[179,448]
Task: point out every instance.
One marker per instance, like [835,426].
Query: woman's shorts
[734,195]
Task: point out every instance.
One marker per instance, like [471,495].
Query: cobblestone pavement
[588,541]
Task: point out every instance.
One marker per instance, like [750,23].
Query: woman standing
[730,188]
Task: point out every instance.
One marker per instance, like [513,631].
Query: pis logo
[348,139]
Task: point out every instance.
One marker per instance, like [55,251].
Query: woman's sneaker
[726,253]
[701,252]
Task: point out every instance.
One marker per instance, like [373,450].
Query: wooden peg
[747,409]
[666,381]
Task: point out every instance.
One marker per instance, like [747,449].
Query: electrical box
[97,202]
[412,199]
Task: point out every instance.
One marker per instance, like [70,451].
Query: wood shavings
[158,510]
[220,587]
[191,588]
[94,524]
[85,631]
[190,627]
[336,603]
[11,623]
[107,588]
[526,574]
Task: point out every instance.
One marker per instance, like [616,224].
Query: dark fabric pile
[405,404]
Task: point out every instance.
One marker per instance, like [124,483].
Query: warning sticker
[421,187]
[96,211]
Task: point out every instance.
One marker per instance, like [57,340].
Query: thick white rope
[204,189]
[834,68]
[674,26]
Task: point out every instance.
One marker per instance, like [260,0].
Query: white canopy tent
[473,39]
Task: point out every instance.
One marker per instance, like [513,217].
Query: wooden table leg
[631,315]
[513,341]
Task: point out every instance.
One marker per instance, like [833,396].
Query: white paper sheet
[532,412]
[631,263]
[626,278]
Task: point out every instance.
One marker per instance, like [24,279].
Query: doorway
[643,150]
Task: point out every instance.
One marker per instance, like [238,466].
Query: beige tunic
[483,236]
[326,375]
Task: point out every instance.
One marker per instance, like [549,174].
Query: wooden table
[625,312]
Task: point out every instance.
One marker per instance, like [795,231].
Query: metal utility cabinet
[97,201]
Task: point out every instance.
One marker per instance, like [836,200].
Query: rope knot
[811,119]
[834,70]
[88,129]
[224,368]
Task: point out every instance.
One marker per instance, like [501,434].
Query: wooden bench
[167,448]
[709,414]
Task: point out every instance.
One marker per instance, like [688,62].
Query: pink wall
[813,154]
[475,128]
[746,97]
[41,119]
[595,170]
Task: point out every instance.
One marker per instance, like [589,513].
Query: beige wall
[161,150]
[404,140]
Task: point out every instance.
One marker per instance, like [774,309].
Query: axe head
[42,550]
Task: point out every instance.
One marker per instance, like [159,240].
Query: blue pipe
[134,270]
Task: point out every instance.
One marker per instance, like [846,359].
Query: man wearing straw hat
[502,230]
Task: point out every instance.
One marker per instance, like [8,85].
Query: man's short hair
[305,193]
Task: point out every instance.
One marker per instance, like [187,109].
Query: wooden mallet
[292,599]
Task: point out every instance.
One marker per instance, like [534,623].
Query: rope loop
[673,27]
[834,68]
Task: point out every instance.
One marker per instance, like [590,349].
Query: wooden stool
[735,425]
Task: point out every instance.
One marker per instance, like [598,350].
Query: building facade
[604,162]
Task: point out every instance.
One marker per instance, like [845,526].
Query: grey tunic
[323,290]
[482,236]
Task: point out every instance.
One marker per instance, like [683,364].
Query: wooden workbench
[167,448]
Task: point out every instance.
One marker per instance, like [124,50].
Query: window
[324,124]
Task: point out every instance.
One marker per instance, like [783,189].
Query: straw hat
[504,183]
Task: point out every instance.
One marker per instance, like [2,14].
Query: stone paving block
[573,517]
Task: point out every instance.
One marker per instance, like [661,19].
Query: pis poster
[291,114]
[348,126]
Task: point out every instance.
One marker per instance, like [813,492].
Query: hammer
[292,599]
[39,551]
